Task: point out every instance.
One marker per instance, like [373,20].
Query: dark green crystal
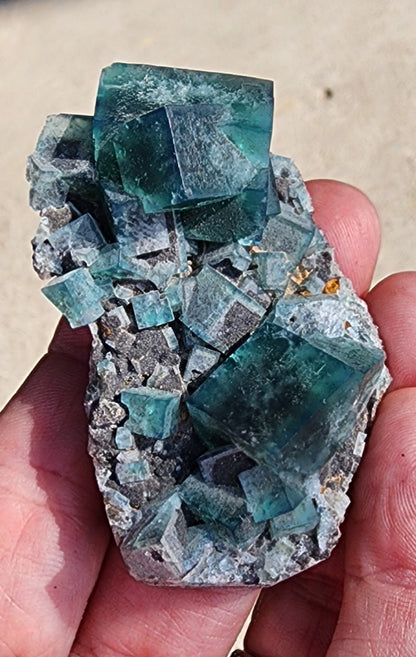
[181,150]
[174,156]
[267,392]
[129,91]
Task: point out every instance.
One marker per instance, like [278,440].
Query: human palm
[63,587]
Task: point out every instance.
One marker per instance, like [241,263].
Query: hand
[63,587]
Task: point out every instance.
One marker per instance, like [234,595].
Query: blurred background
[345,92]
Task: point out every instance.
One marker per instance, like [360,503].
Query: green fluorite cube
[128,91]
[302,518]
[124,438]
[137,232]
[181,150]
[112,263]
[152,413]
[266,494]
[76,296]
[267,391]
[217,311]
[80,242]
[150,309]
[62,168]
[272,270]
[130,472]
[176,156]
[212,503]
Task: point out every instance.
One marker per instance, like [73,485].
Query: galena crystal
[234,372]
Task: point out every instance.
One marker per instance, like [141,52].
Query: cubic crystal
[299,379]
[152,413]
[76,296]
[151,310]
[217,311]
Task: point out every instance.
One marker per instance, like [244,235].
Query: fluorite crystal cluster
[234,373]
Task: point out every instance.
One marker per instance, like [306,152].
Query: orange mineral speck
[331,286]
[300,275]
[336,479]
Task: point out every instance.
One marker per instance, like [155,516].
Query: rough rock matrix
[234,372]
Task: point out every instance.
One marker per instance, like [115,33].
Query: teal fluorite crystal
[277,378]
[217,311]
[206,137]
[266,495]
[150,309]
[76,296]
[242,107]
[233,372]
[302,518]
[167,168]
[152,413]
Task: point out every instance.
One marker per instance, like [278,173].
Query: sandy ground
[345,107]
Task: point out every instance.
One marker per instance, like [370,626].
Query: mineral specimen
[234,373]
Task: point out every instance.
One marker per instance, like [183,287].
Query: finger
[378,614]
[299,616]
[127,618]
[307,606]
[393,303]
[104,629]
[53,530]
[393,306]
[351,225]
[380,570]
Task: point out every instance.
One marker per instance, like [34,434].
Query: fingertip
[75,343]
[381,526]
[392,303]
[351,224]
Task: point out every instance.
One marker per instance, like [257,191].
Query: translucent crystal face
[233,370]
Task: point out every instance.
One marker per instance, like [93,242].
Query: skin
[63,588]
